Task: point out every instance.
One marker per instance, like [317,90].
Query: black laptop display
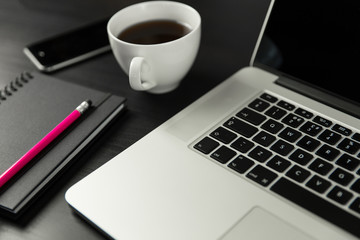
[310,41]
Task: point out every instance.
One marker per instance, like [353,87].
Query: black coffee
[154,32]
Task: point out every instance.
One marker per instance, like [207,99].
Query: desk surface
[229,33]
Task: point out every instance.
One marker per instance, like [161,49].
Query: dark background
[229,33]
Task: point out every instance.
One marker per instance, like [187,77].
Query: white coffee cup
[156,68]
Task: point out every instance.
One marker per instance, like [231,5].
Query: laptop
[270,153]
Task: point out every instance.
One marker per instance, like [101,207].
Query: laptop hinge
[327,98]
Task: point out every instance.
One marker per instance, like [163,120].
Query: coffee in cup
[154,32]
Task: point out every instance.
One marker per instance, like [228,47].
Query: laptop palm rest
[259,224]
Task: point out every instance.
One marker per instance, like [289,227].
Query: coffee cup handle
[138,65]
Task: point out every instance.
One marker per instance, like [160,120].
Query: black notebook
[31,106]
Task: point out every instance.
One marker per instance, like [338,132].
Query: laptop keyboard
[306,158]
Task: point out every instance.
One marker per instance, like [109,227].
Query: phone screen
[65,49]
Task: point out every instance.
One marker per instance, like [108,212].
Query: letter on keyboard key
[264,138]
[327,152]
[278,163]
[320,166]
[272,126]
[282,147]
[301,157]
[260,154]
[341,176]
[318,184]
[348,162]
[308,143]
[298,173]
[340,195]
[290,134]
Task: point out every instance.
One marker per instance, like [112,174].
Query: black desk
[229,33]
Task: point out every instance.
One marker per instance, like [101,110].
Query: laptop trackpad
[259,224]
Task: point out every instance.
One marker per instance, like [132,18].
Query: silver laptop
[271,153]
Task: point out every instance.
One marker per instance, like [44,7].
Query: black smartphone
[68,48]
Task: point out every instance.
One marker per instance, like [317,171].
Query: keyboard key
[304,113]
[308,143]
[349,146]
[261,175]
[269,97]
[241,127]
[348,162]
[320,166]
[327,152]
[272,126]
[223,135]
[340,195]
[298,174]
[318,184]
[342,130]
[356,205]
[259,105]
[275,113]
[292,120]
[223,154]
[356,137]
[318,205]
[264,138]
[278,163]
[329,137]
[342,177]
[301,157]
[286,105]
[260,154]
[322,121]
[356,186]
[251,116]
[310,128]
[241,164]
[206,145]
[243,145]
[290,134]
[282,147]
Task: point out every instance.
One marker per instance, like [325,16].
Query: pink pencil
[45,141]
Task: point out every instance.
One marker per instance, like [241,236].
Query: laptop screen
[317,42]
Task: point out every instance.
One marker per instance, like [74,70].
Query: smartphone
[68,48]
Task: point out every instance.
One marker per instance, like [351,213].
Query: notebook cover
[28,115]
